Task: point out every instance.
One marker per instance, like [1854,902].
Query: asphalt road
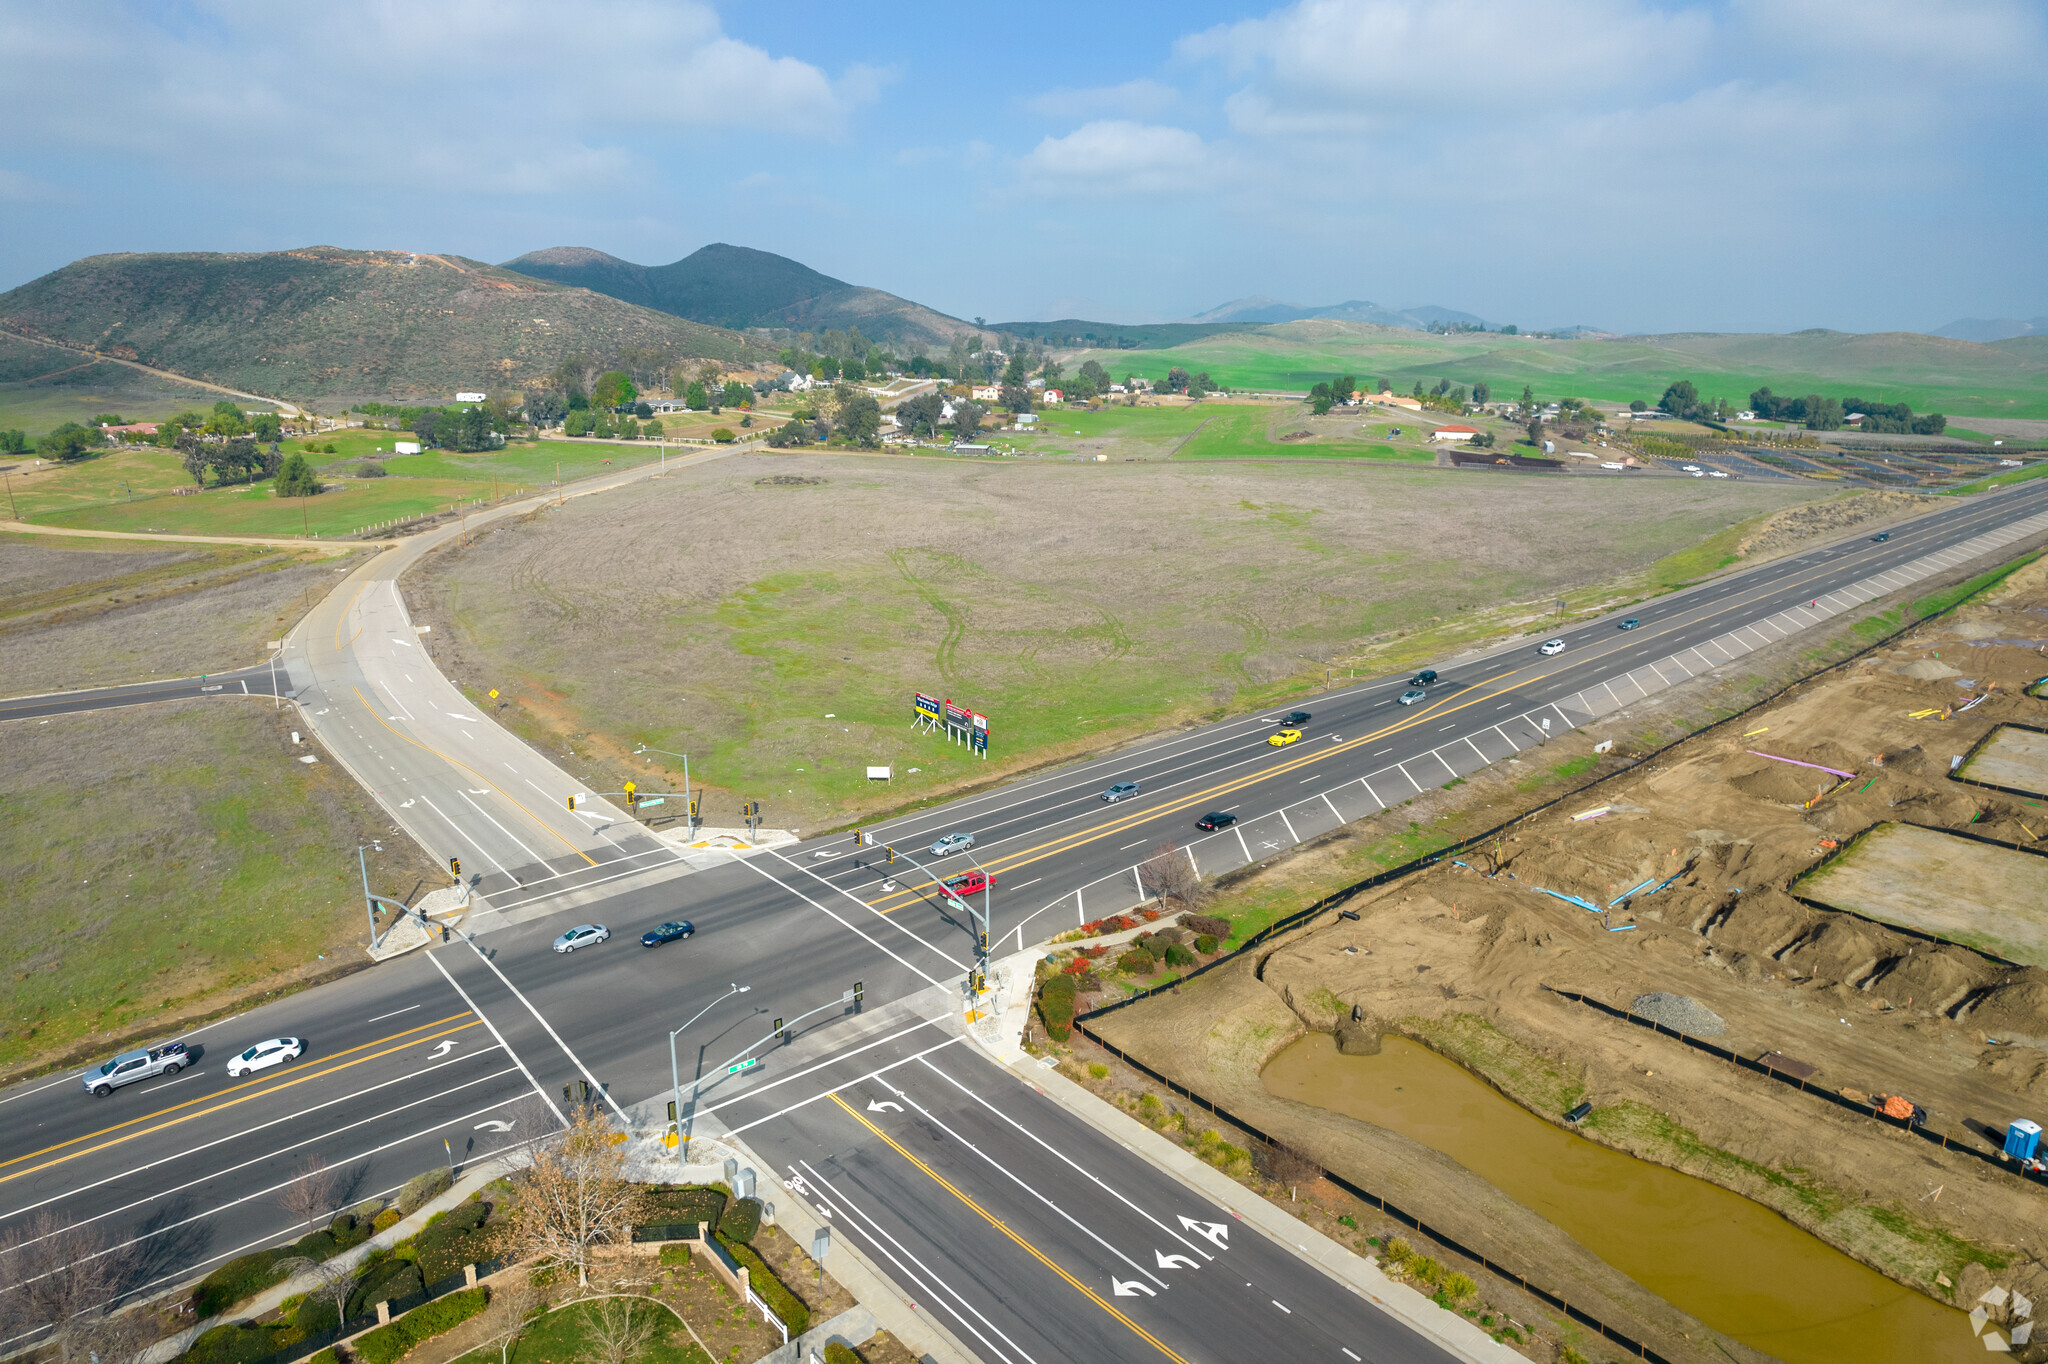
[977,1194]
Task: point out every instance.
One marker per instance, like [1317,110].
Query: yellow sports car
[1285,736]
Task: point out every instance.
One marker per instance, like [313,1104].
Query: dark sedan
[1216,819]
[667,932]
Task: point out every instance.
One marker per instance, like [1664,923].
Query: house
[1454,433]
[471,397]
[132,428]
[1034,383]
[1027,419]
[1391,399]
[986,393]
[406,447]
[1745,416]
[1053,395]
[1116,388]
[1853,419]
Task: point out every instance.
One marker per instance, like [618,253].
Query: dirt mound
[1780,783]
[2019,1006]
[1843,949]
[1927,670]
[1789,528]
[1682,1012]
[1932,977]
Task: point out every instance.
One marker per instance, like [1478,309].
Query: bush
[370,468]
[386,1281]
[387,1344]
[676,1253]
[385,1220]
[1205,943]
[1177,955]
[241,1343]
[341,1234]
[742,1220]
[326,1356]
[422,1188]
[835,1353]
[1459,1288]
[454,1239]
[689,1206]
[316,1315]
[1154,945]
[1209,924]
[769,1289]
[722,434]
[1056,1007]
[239,1278]
[1397,1251]
[1138,962]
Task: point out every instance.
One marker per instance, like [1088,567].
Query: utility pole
[13,511]
[675,1107]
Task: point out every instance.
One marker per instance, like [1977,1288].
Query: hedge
[742,1220]
[385,1281]
[453,1239]
[835,1353]
[1209,924]
[690,1205]
[770,1289]
[239,1278]
[387,1344]
[676,1253]
[1056,1006]
[423,1187]
[242,1343]
[1177,955]
[343,1233]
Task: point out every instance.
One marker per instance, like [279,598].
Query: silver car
[581,936]
[1119,791]
[951,844]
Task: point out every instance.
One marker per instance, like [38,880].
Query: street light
[675,1075]
[370,901]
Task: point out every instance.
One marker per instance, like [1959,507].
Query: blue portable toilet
[2021,1137]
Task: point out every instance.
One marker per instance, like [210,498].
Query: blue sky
[1643,166]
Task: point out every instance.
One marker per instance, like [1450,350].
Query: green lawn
[561,1337]
[1204,431]
[1999,480]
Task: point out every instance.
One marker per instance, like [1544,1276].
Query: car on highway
[1119,791]
[1425,678]
[1284,738]
[1614,464]
[1880,537]
[131,1066]
[1690,468]
[970,883]
[1216,819]
[1551,646]
[1629,624]
[1295,718]
[1697,473]
[1412,696]
[264,1055]
[951,844]
[1717,473]
[582,935]
[668,932]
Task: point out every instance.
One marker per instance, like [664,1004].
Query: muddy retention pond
[1735,1265]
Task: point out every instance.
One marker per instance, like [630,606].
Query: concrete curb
[1362,1276]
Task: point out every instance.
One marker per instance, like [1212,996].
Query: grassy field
[776,632]
[1930,373]
[134,488]
[156,859]
[1223,430]
[1999,480]
[44,386]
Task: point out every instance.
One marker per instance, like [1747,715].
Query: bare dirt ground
[2014,758]
[771,615]
[1459,961]
[89,613]
[1979,894]
[1787,529]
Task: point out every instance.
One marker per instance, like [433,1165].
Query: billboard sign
[927,708]
[979,734]
[957,716]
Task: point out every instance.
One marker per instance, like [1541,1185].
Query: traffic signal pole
[977,981]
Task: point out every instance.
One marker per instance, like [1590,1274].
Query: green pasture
[1999,480]
[1208,430]
[1930,373]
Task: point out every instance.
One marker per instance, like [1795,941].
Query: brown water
[1731,1263]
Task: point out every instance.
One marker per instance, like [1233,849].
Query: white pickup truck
[130,1066]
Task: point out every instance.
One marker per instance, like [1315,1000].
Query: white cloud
[1143,98]
[1117,155]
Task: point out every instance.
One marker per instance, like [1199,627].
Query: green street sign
[747,1064]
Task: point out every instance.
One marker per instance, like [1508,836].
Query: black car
[1881,537]
[1425,678]
[1295,717]
[1629,624]
[667,932]
[1216,819]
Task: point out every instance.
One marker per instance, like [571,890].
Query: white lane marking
[393,1014]
[828,1093]
[1370,792]
[1504,734]
[1484,761]
[576,1060]
[749,863]
[832,1060]
[899,1253]
[1128,846]
[1067,1160]
[1403,770]
[503,830]
[1290,825]
[1333,806]
[1282,1306]
[485,1019]
[464,836]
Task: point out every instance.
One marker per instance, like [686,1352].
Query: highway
[1009,1218]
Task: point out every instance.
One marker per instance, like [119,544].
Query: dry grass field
[771,615]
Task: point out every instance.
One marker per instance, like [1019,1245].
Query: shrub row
[770,1289]
[1207,925]
[240,1343]
[695,1203]
[250,1274]
[387,1344]
[385,1281]
[422,1188]
[1056,1006]
[453,1239]
[741,1221]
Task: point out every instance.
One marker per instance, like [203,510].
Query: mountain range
[737,287]
[1258,310]
[1985,330]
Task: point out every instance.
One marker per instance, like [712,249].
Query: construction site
[1728,1047]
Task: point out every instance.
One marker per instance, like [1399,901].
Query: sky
[1764,165]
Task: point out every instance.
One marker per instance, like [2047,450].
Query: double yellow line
[199,1108]
[1002,1227]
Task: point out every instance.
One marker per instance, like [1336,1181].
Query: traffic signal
[778,1025]
[981,941]
[976,983]
[671,1110]
[631,799]
[455,866]
[856,993]
[693,806]
[891,851]
[572,802]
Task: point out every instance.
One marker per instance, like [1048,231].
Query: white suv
[1551,646]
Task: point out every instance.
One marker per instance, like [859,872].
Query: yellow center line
[457,762]
[1436,711]
[298,1078]
[1002,1227]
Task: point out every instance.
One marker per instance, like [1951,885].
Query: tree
[310,1194]
[472,429]
[1680,399]
[618,1330]
[853,369]
[1480,393]
[1822,414]
[264,426]
[1638,405]
[68,442]
[63,1278]
[920,416]
[967,419]
[613,389]
[1016,397]
[508,1314]
[860,419]
[13,442]
[1536,432]
[1017,371]
[574,1196]
[332,1281]
[642,410]
[1176,380]
[1168,874]
[1528,399]
[577,423]
[426,426]
[738,394]
[695,398]
[295,477]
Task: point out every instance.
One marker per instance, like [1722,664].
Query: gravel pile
[1681,1012]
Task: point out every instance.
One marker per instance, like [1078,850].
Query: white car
[582,935]
[1551,646]
[1612,464]
[1697,474]
[1413,697]
[1690,468]
[951,844]
[264,1055]
[1717,473]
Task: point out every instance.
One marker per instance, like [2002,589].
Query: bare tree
[575,1196]
[332,1280]
[513,1298]
[310,1195]
[1285,1165]
[1170,874]
[617,1330]
[62,1279]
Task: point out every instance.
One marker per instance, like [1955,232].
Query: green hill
[1932,373]
[738,287]
[338,324]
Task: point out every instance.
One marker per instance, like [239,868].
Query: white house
[1454,433]
[1745,416]
[986,393]
[471,397]
[406,447]
[1116,388]
[1053,395]
[1034,383]
[1027,419]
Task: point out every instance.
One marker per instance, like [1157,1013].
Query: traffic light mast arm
[787,1025]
